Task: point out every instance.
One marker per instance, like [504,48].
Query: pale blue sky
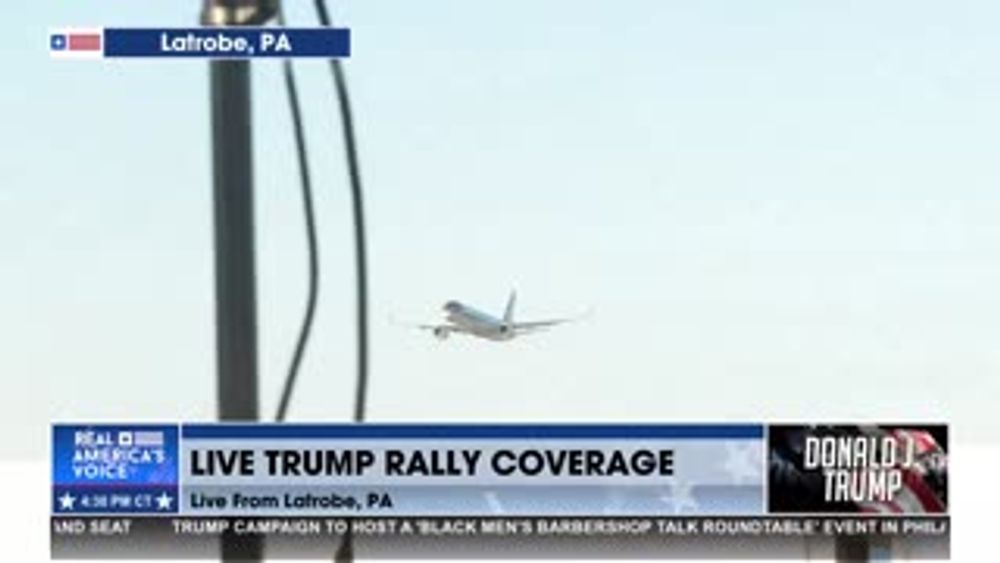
[778,210]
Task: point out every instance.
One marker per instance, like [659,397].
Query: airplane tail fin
[508,314]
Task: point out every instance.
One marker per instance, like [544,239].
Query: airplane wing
[439,328]
[533,326]
[441,331]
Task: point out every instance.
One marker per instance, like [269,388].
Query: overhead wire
[358,215]
[345,551]
[312,243]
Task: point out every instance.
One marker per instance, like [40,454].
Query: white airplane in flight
[463,319]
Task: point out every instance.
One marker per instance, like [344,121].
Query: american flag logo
[918,495]
[76,43]
[147,438]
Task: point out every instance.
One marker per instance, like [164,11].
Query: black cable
[361,265]
[345,552]
[313,245]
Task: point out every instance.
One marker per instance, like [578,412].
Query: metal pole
[235,281]
[235,269]
[235,284]
[852,549]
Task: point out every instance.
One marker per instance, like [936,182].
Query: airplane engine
[441,333]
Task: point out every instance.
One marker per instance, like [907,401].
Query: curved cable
[313,244]
[345,552]
[360,255]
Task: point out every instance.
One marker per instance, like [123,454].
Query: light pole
[852,549]
[235,271]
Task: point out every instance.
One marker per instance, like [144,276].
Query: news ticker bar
[760,537]
[230,470]
[199,42]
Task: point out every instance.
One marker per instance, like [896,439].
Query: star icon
[66,501]
[163,501]
[613,505]
[57,42]
[743,463]
[680,497]
[496,507]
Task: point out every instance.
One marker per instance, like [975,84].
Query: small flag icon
[148,438]
[76,43]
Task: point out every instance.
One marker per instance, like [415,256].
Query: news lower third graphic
[115,469]
[199,42]
[423,490]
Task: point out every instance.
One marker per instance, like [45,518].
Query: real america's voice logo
[112,468]
[100,455]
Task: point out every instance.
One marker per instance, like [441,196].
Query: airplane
[463,319]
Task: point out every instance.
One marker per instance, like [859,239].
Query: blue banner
[115,468]
[474,431]
[409,469]
[226,42]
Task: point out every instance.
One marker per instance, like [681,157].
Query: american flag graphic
[917,495]
[147,438]
[65,43]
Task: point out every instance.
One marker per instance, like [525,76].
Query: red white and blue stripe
[76,43]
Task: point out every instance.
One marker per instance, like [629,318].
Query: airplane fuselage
[477,322]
